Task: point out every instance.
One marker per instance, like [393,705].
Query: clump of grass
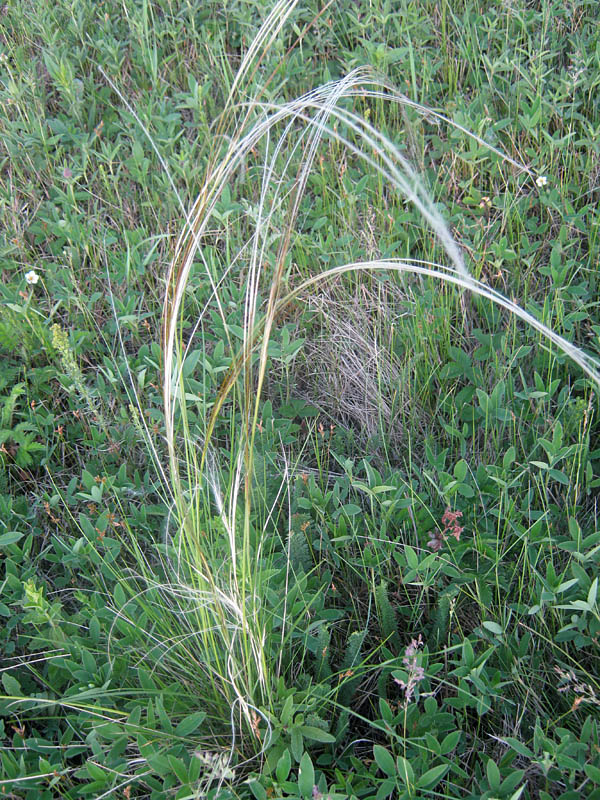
[213,488]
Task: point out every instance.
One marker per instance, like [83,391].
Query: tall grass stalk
[223,559]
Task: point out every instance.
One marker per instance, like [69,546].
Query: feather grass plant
[259,589]
[223,542]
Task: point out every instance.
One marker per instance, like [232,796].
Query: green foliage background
[388,400]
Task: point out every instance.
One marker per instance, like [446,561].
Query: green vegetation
[299,362]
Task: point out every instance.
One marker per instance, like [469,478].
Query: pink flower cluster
[451,528]
[416,673]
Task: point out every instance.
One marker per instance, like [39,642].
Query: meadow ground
[299,445]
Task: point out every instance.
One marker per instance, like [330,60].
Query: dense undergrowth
[266,536]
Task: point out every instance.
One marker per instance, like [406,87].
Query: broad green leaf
[12,685]
[411,557]
[94,629]
[306,776]
[146,681]
[460,470]
[592,772]
[190,723]
[493,627]
[385,789]
[559,476]
[160,764]
[316,734]
[566,585]
[468,656]
[385,760]
[164,718]
[119,596]
[287,710]
[509,457]
[433,776]
[405,770]
[179,769]
[297,744]
[493,775]
[510,783]
[258,790]
[351,509]
[450,742]
[89,662]
[10,538]
[593,592]
[95,772]
[282,770]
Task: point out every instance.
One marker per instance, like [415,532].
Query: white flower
[541,180]
[32,277]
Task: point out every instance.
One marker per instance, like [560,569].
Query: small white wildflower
[32,277]
[541,180]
